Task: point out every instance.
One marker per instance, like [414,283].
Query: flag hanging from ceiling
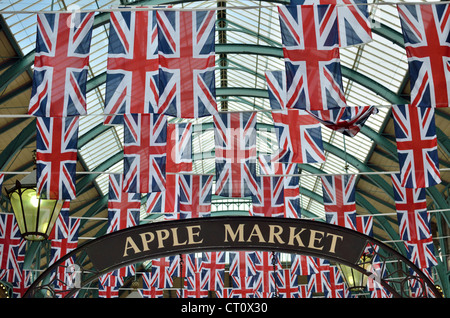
[270,199]
[167,201]
[426,32]
[346,120]
[242,273]
[311,53]
[353,20]
[235,154]
[289,173]
[266,265]
[132,64]
[108,286]
[212,271]
[414,223]
[61,64]
[149,291]
[303,265]
[123,207]
[179,147]
[162,270]
[336,286]
[195,193]
[123,212]
[186,48]
[56,157]
[144,152]
[339,200]
[64,239]
[11,243]
[287,284]
[319,282]
[299,137]
[415,133]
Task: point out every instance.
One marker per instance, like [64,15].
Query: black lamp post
[35,216]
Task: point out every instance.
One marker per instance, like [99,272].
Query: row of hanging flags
[161,64]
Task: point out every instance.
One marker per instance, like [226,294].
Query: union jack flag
[364,224]
[242,273]
[212,270]
[195,193]
[421,252]
[11,243]
[289,172]
[166,201]
[64,239]
[132,66]
[162,272]
[337,288]
[149,291]
[270,201]
[123,207]
[65,234]
[108,286]
[179,147]
[426,31]
[144,152]
[61,64]
[415,133]
[266,265]
[186,63]
[353,20]
[346,120]
[196,289]
[311,52]
[412,213]
[339,200]
[235,154]
[318,282]
[299,137]
[287,284]
[56,157]
[303,265]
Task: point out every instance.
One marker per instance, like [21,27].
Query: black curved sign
[226,233]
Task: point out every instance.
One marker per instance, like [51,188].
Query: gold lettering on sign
[334,241]
[313,239]
[193,234]
[146,240]
[175,237]
[256,232]
[129,243]
[295,236]
[274,232]
[233,235]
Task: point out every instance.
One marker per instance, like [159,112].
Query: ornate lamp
[35,215]
[356,281]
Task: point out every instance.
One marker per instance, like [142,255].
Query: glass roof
[249,23]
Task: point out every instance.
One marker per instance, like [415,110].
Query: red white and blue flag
[149,291]
[339,200]
[303,264]
[195,192]
[289,173]
[108,286]
[123,207]
[311,52]
[346,120]
[242,272]
[56,157]
[61,64]
[132,65]
[415,133]
[319,282]
[287,284]
[353,20]
[235,154]
[426,31]
[336,287]
[270,199]
[179,147]
[166,201]
[414,223]
[162,273]
[144,151]
[267,264]
[11,243]
[299,137]
[212,270]
[186,47]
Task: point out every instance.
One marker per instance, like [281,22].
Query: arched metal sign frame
[231,233]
